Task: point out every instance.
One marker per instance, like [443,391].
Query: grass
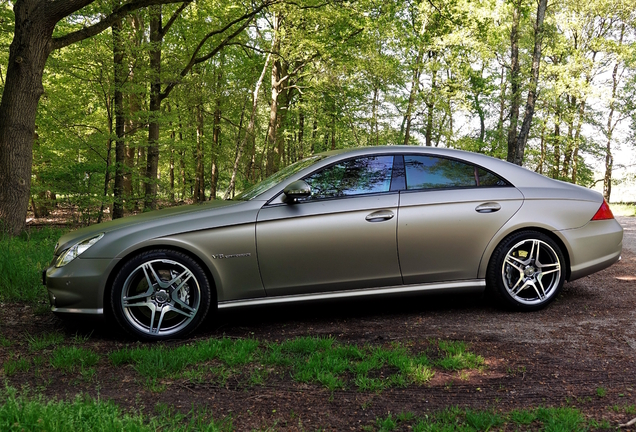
[19,413]
[464,420]
[456,356]
[38,343]
[22,260]
[620,209]
[13,366]
[71,358]
[309,360]
[26,412]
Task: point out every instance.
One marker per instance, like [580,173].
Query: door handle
[489,207]
[380,215]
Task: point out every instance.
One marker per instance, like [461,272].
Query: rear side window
[352,177]
[426,172]
[486,178]
[429,172]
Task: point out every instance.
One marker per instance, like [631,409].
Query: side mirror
[297,190]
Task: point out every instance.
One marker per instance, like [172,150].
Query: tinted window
[426,172]
[486,178]
[276,178]
[352,177]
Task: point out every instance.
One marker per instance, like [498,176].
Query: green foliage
[71,358]
[309,359]
[38,343]
[623,209]
[86,414]
[13,366]
[456,357]
[546,419]
[354,74]
[22,260]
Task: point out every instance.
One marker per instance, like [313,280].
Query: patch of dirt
[580,351]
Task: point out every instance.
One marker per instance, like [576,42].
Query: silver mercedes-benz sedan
[363,222]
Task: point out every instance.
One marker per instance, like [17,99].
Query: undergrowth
[22,260]
[309,359]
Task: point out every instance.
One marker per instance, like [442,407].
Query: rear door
[448,214]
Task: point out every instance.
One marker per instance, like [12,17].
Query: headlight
[73,252]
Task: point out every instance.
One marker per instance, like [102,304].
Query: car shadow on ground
[328,311]
[312,315]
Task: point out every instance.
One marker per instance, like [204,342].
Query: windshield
[276,178]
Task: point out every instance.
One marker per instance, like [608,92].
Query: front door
[342,237]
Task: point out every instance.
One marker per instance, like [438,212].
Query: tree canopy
[116,106]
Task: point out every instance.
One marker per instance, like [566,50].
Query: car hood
[120,233]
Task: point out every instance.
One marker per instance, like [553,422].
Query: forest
[113,107]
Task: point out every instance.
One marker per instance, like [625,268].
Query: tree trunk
[314,136]
[283,108]
[415,86]
[28,53]
[557,145]
[522,139]
[374,119]
[577,143]
[609,158]
[171,173]
[569,145]
[152,163]
[482,119]
[199,182]
[120,145]
[301,127]
[502,105]
[249,133]
[430,107]
[543,150]
[216,132]
[515,78]
[132,125]
[273,153]
[333,131]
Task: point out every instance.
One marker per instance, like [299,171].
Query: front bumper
[79,286]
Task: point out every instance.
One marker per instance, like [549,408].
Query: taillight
[604,212]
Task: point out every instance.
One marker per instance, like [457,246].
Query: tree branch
[90,31]
[58,9]
[174,16]
[247,17]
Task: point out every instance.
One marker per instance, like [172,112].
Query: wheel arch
[158,246]
[498,239]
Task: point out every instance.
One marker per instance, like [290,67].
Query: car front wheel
[526,271]
[160,294]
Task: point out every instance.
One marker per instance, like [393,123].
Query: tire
[526,272]
[160,294]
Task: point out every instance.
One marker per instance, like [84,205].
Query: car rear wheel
[526,271]
[160,294]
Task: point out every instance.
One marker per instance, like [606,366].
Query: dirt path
[629,232]
[580,351]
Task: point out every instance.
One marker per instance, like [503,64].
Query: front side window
[352,177]
[278,177]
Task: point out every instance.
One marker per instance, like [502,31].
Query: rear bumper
[593,247]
